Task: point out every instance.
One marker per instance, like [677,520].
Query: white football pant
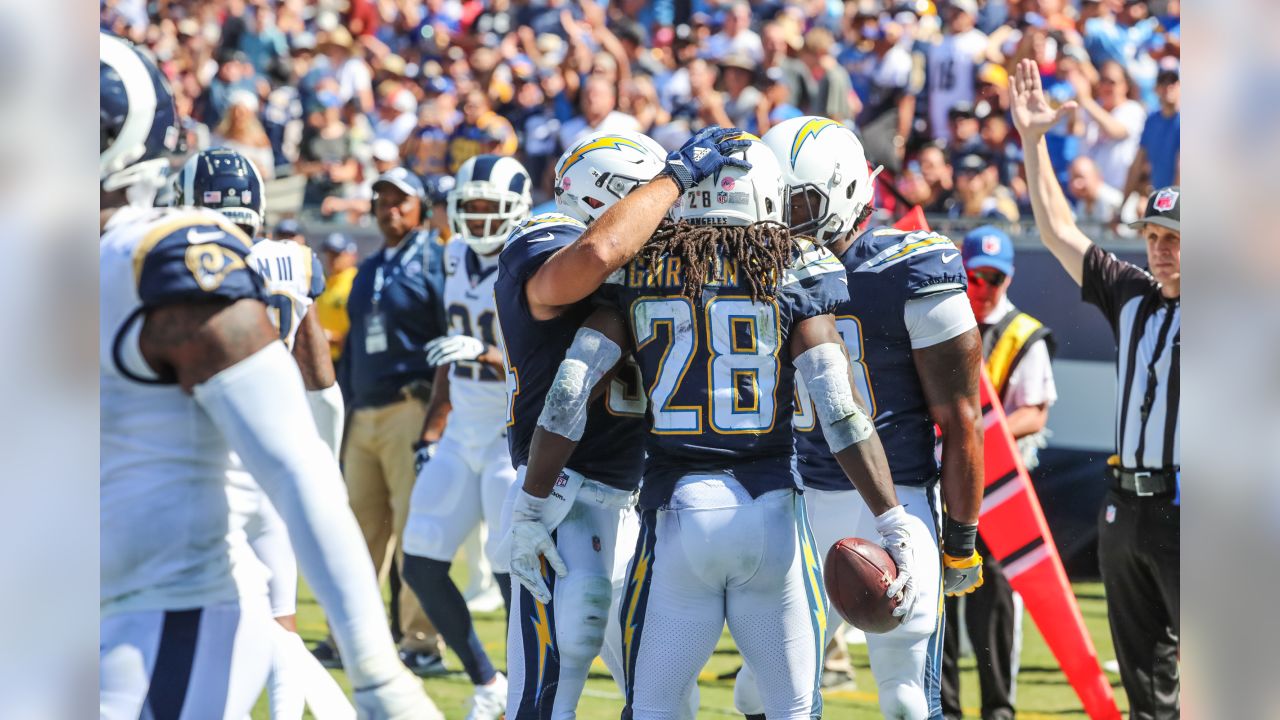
[716,555]
[906,662]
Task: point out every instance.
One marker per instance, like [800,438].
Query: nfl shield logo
[562,480]
[722,197]
[1111,514]
[1165,200]
[991,245]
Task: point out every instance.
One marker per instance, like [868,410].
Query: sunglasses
[986,276]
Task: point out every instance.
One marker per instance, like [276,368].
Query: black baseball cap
[1163,209]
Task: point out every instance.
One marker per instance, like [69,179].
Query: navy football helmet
[138,121]
[226,181]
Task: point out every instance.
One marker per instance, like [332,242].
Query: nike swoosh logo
[544,238]
[195,238]
[948,257]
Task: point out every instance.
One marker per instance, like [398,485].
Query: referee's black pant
[1138,547]
[990,618]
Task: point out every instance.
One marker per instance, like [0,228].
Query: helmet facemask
[495,226]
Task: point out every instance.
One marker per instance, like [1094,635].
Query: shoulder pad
[812,260]
[194,256]
[929,262]
[546,221]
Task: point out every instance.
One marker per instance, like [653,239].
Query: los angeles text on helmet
[667,275]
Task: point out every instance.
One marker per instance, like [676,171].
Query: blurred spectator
[780,41]
[327,154]
[385,156]
[952,63]
[963,126]
[931,180]
[261,40]
[674,87]
[640,99]
[776,106]
[346,62]
[1158,161]
[427,147]
[482,131]
[234,73]
[438,187]
[740,98]
[979,193]
[999,144]
[289,230]
[993,89]
[338,253]
[736,37]
[1092,199]
[832,90]
[241,131]
[397,116]
[598,103]
[889,98]
[1113,121]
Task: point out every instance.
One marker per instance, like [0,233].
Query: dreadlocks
[761,251]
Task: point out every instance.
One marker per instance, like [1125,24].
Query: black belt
[1144,483]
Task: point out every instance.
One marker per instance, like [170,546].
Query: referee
[1139,527]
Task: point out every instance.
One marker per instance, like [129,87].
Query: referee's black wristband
[958,539]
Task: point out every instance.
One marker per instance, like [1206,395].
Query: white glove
[401,698]
[895,537]
[529,540]
[453,348]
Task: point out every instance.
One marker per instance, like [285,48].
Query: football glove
[703,155]
[422,453]
[895,537]
[961,564]
[453,348]
[401,698]
[530,541]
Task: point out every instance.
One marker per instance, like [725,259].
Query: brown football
[857,572]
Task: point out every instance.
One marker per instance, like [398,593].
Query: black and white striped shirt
[1148,330]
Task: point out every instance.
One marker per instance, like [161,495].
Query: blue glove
[704,155]
[422,452]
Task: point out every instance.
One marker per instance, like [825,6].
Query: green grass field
[1042,692]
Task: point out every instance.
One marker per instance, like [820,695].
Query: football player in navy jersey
[549,268]
[191,369]
[915,353]
[723,308]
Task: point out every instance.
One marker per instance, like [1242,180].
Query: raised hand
[1033,115]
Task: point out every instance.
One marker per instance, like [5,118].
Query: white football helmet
[735,196]
[138,124]
[502,180]
[601,169]
[825,173]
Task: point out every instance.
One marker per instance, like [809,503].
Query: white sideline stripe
[1026,562]
[995,499]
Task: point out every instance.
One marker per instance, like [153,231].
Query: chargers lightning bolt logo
[808,130]
[616,142]
[542,626]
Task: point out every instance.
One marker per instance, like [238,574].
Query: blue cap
[408,182]
[438,187]
[338,243]
[438,85]
[988,246]
[288,227]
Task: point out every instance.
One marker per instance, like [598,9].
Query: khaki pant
[377,462]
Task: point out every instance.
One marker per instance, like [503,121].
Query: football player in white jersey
[224,180]
[190,371]
[463,480]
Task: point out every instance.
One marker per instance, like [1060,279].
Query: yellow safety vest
[1005,343]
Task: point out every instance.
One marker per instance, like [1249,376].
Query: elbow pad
[588,359]
[328,411]
[825,371]
[259,404]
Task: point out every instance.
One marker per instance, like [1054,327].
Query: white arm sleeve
[591,355]
[328,411]
[937,318]
[260,406]
[825,371]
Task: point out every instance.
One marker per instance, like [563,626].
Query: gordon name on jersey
[156,442]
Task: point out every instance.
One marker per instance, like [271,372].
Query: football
[857,572]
